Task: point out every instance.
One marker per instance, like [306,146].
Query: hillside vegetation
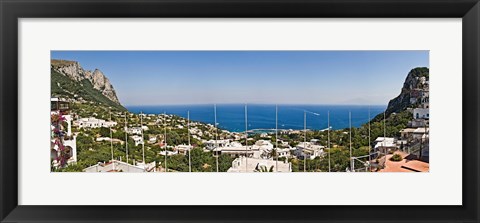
[62,86]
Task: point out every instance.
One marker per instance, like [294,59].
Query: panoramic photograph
[239,111]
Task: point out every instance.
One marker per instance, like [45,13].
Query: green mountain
[69,80]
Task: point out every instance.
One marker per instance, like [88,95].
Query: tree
[104,132]
[224,162]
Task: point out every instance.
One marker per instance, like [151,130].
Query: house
[308,150]
[59,106]
[152,139]
[384,144]
[169,153]
[137,139]
[413,133]
[235,149]
[407,133]
[315,141]
[263,135]
[420,133]
[421,113]
[283,152]
[415,123]
[134,131]
[212,144]
[250,165]
[262,148]
[183,149]
[92,122]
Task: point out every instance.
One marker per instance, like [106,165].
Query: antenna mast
[165,137]
[189,146]
[111,138]
[328,140]
[304,140]
[215,151]
[276,138]
[143,142]
[246,140]
[126,136]
[350,121]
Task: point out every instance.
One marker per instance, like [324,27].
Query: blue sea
[262,116]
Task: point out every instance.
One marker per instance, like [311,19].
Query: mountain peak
[414,86]
[74,71]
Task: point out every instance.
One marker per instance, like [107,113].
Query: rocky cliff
[74,71]
[415,87]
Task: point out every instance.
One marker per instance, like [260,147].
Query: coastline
[261,117]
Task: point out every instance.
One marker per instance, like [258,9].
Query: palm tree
[264,169]
[273,154]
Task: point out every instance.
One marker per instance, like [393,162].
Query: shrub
[396,158]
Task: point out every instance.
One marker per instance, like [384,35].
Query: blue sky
[276,77]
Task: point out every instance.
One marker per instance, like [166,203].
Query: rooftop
[117,166]
[406,165]
[250,165]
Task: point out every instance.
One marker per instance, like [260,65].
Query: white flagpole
[111,138]
[215,153]
[143,143]
[304,140]
[369,139]
[276,138]
[246,140]
[328,140]
[350,121]
[165,137]
[126,136]
[189,145]
[384,135]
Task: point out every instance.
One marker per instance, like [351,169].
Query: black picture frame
[11,11]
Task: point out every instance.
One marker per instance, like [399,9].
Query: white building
[93,123]
[134,131]
[183,149]
[69,140]
[263,145]
[119,166]
[250,165]
[384,144]
[283,152]
[421,113]
[315,141]
[415,123]
[308,150]
[235,149]
[212,144]
[152,139]
[169,153]
[407,133]
[420,133]
[262,149]
[137,139]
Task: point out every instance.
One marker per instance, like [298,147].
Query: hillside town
[94,133]
[249,152]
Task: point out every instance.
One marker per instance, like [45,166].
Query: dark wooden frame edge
[11,11]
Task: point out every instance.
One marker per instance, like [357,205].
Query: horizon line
[238,103]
